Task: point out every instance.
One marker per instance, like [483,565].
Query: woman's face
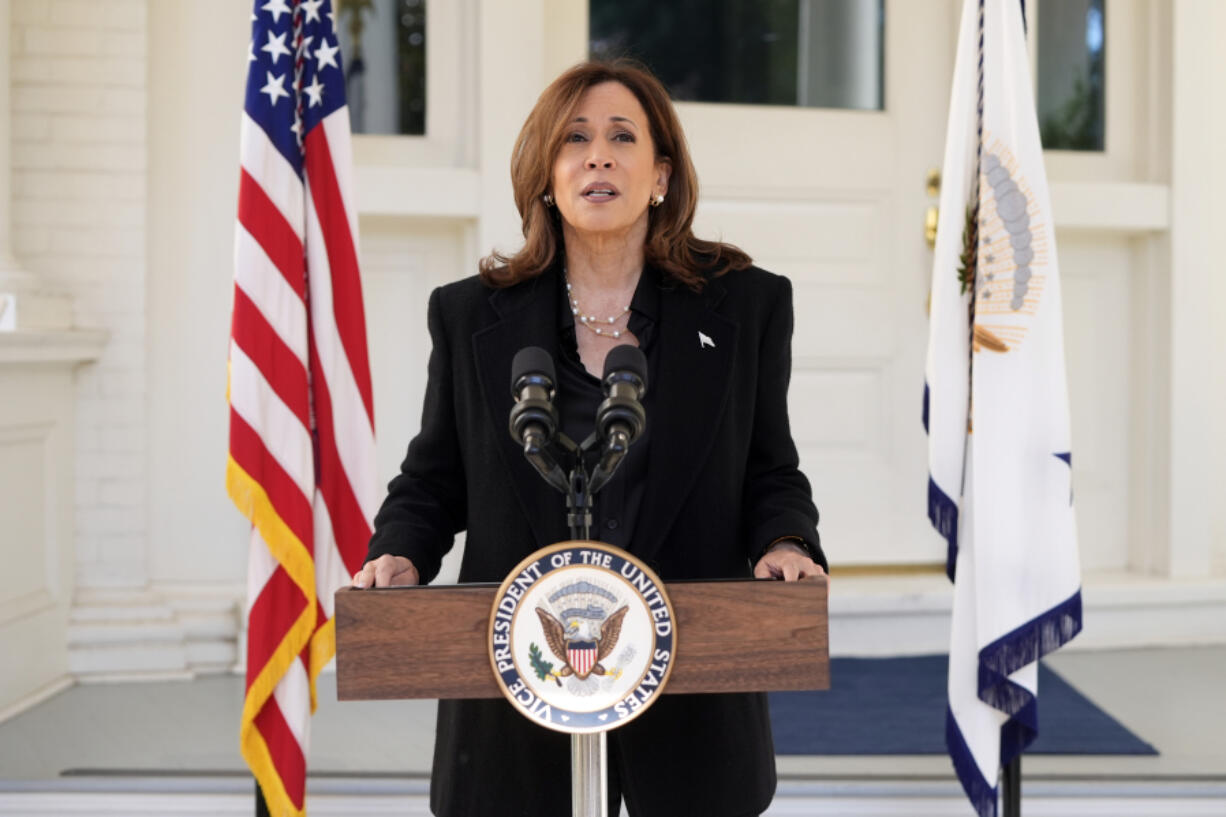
[606,171]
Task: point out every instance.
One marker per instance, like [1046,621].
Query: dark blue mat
[896,706]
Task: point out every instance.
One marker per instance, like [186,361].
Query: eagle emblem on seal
[583,628]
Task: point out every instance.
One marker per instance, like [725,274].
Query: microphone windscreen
[626,358]
[531,360]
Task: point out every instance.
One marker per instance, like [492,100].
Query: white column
[1194,488]
[22,305]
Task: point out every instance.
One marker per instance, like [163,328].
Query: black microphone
[534,420]
[620,419]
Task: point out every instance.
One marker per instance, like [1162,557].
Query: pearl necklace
[592,322]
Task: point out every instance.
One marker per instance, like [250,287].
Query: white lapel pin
[704,340]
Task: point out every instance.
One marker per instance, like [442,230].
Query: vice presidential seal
[582,637]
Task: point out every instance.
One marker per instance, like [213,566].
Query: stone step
[127,660]
[222,795]
[134,631]
[121,612]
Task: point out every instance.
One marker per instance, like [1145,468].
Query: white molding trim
[436,193]
[53,346]
[35,698]
[1111,206]
[1123,207]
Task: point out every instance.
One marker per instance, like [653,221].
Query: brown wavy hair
[671,245]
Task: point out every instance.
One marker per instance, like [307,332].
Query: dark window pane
[1071,74]
[384,46]
[812,53]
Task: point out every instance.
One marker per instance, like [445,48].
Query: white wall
[79,158]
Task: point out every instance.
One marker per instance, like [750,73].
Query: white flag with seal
[996,406]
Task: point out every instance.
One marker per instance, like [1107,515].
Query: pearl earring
[657,200]
[548,199]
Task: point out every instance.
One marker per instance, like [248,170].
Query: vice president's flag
[996,406]
[302,454]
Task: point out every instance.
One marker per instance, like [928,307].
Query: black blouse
[579,393]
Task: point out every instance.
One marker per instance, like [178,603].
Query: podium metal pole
[589,780]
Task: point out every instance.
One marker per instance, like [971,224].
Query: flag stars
[276,46]
[250,50]
[311,7]
[274,87]
[315,91]
[276,8]
[326,55]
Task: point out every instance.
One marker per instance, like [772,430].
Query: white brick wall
[79,90]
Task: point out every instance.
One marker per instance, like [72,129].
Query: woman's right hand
[386,571]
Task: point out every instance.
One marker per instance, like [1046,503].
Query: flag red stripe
[283,746]
[260,217]
[275,610]
[342,260]
[282,369]
[253,457]
[350,528]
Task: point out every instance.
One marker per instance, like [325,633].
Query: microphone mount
[620,420]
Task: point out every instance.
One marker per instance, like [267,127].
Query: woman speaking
[606,190]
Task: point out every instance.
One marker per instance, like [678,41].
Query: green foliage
[1076,124]
[969,256]
[541,667]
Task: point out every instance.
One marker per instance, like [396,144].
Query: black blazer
[723,483]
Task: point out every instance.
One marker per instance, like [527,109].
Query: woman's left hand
[787,561]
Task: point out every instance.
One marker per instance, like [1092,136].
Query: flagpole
[1011,775]
[261,807]
[1011,788]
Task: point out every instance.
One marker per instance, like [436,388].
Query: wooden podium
[740,635]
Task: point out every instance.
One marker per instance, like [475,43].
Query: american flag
[302,452]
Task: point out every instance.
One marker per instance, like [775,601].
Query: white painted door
[835,200]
